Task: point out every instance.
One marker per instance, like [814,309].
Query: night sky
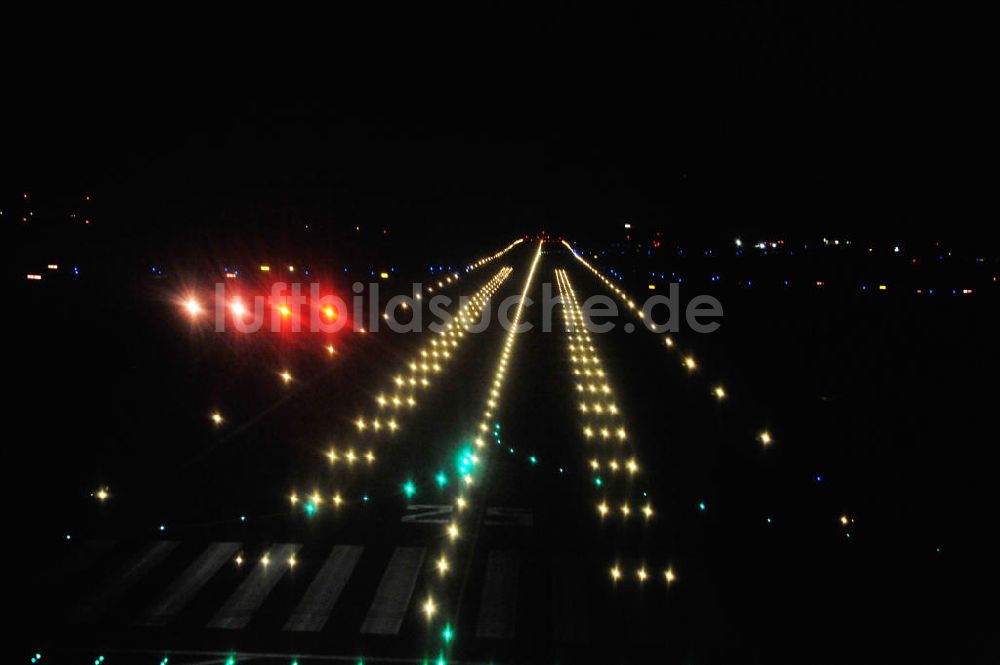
[764,117]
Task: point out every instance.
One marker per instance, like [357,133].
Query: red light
[329,312]
[285,311]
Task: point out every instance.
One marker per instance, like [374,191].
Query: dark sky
[720,119]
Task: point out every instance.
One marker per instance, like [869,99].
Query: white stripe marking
[188,584]
[252,593]
[385,616]
[314,609]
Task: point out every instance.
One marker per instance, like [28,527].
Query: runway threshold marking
[127,576]
[189,583]
[251,594]
[314,609]
[392,598]
[569,601]
[498,608]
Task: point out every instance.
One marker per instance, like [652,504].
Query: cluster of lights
[349,457]
[688,362]
[470,458]
[486,259]
[265,560]
[453,278]
[441,283]
[195,310]
[642,574]
[846,521]
[312,503]
[426,362]
[430,359]
[602,418]
[763,437]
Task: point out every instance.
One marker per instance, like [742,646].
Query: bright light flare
[192,306]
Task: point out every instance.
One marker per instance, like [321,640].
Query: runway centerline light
[429,608]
